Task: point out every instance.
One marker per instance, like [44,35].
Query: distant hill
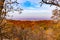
[30,19]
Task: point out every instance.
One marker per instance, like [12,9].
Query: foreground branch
[53,2]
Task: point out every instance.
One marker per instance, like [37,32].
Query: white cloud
[31,14]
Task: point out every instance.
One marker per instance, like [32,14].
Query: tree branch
[52,2]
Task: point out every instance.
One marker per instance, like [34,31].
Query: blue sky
[32,9]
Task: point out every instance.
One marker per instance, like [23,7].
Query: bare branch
[53,2]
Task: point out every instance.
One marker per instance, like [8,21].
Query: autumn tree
[56,12]
[4,9]
[1,18]
[56,15]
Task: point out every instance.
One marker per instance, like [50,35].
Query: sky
[31,9]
